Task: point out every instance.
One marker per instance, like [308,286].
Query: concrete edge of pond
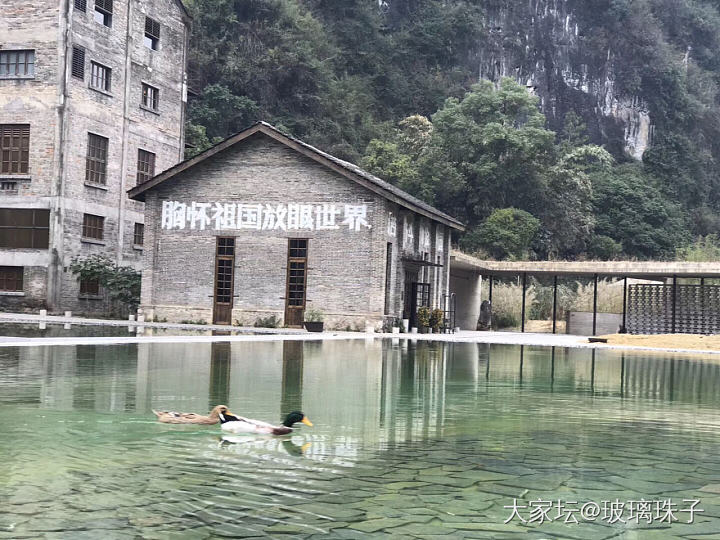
[286,334]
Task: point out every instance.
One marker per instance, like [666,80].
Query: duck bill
[307,422]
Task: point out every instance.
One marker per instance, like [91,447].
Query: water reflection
[404,431]
[386,392]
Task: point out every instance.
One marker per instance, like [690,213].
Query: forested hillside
[553,128]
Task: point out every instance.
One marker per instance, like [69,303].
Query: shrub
[267,322]
[436,318]
[423,316]
[121,283]
[314,315]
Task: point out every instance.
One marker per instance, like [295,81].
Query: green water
[410,441]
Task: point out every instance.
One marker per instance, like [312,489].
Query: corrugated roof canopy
[349,170]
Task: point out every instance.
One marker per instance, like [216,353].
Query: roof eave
[138,192]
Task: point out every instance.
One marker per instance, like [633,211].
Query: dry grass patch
[667,341]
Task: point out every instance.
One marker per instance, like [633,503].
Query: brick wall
[61,115]
[346,270]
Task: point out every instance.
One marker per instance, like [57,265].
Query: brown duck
[172,417]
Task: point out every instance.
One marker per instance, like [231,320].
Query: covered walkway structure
[673,299]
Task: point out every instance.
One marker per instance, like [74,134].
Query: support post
[554,305]
[624,319]
[595,285]
[674,304]
[490,286]
[524,288]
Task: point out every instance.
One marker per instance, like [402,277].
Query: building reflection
[292,377]
[220,362]
[376,393]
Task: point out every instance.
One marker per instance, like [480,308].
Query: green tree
[704,249]
[632,211]
[506,234]
[568,214]
[495,141]
[121,283]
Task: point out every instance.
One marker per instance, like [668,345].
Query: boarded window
[81,5]
[152,33]
[11,278]
[96,160]
[14,148]
[24,228]
[150,97]
[139,236]
[103,11]
[78,62]
[100,77]
[93,226]
[17,63]
[146,166]
[89,287]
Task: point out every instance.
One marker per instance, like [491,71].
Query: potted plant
[423,318]
[396,326]
[314,320]
[437,317]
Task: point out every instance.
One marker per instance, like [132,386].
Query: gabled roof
[353,172]
[184,9]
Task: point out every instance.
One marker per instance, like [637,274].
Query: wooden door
[224,274]
[419,297]
[296,282]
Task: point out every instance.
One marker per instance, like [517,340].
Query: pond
[410,440]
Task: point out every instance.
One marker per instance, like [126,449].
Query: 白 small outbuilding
[264,225]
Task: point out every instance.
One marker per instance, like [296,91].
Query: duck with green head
[231,423]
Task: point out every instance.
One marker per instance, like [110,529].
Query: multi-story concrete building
[92,99]
[263,224]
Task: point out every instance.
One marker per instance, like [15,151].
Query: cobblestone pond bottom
[410,440]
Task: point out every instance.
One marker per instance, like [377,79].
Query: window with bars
[78,63]
[104,11]
[100,77]
[14,148]
[81,5]
[139,234]
[93,227]
[388,277]
[297,270]
[90,287]
[150,97]
[11,278]
[8,188]
[152,33]
[17,64]
[96,160]
[24,228]
[145,166]
[225,258]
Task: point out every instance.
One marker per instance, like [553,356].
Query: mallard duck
[238,424]
[172,417]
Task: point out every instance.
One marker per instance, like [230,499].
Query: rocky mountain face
[543,45]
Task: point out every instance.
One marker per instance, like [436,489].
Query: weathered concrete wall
[62,110]
[579,323]
[346,269]
[467,289]
[32,101]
